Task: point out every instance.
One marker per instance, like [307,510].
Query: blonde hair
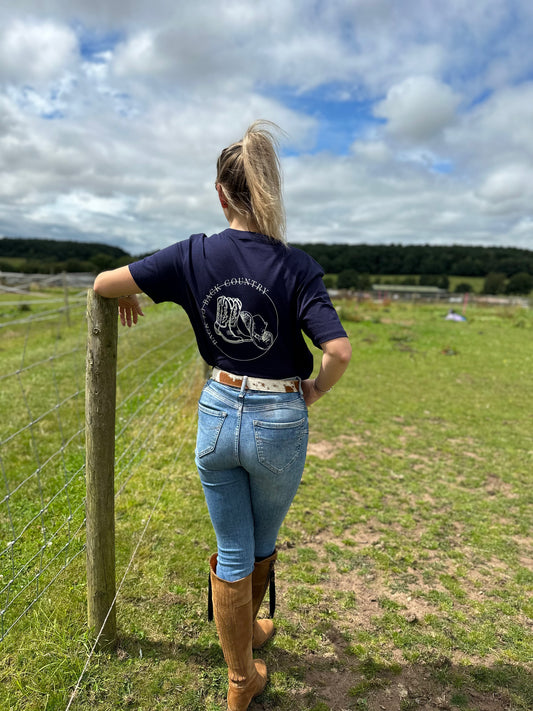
[250,175]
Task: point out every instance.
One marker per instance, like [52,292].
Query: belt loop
[243,385]
[299,385]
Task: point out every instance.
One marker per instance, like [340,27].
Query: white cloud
[111,121]
[32,51]
[139,55]
[372,151]
[418,108]
[508,188]
[77,207]
[499,128]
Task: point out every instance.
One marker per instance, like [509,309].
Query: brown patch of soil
[415,688]
[322,450]
[337,677]
[325,449]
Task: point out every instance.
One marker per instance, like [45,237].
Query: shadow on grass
[348,682]
[340,680]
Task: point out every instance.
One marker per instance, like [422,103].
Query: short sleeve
[161,275]
[317,316]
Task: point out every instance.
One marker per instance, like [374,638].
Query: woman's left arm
[335,359]
[119,283]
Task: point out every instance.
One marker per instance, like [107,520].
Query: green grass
[405,565]
[42,436]
[15,262]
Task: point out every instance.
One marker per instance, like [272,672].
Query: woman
[249,297]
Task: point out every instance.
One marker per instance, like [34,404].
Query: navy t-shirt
[248,299]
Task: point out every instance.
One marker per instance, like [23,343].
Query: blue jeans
[250,454]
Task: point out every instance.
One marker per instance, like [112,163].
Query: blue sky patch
[442,165]
[53,115]
[340,121]
[93,44]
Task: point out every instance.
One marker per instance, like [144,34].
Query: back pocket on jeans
[210,423]
[279,444]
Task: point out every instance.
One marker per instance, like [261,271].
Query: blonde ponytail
[250,175]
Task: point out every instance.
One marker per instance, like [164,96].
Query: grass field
[405,572]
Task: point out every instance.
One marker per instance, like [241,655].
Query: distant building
[402,291]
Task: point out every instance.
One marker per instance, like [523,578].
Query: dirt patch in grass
[336,676]
[322,450]
[368,589]
[415,688]
[325,449]
[356,599]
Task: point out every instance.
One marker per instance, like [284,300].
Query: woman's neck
[239,222]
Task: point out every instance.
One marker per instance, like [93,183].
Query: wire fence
[42,429]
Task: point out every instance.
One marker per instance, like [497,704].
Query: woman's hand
[129,309]
[118,283]
[335,359]
[311,394]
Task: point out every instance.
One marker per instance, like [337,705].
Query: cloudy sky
[407,121]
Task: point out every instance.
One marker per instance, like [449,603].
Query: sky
[406,121]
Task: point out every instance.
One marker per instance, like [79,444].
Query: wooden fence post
[100,402]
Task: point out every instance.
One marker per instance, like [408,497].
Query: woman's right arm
[116,282]
[335,359]
[119,283]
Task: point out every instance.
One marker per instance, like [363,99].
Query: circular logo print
[240,318]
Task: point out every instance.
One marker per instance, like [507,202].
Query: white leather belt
[288,385]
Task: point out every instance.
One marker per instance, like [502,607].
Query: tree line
[455,260]
[347,265]
[48,256]
[506,270]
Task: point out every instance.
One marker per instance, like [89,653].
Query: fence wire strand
[42,458]
[40,523]
[90,655]
[43,316]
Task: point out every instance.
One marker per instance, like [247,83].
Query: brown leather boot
[262,575]
[232,608]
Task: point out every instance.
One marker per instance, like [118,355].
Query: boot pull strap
[210,600]
[272,590]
